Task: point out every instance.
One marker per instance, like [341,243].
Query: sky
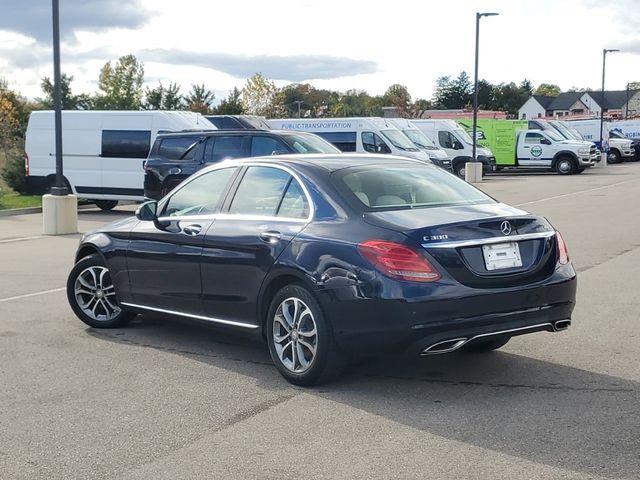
[334,44]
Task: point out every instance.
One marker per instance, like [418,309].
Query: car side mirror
[148,211]
[545,141]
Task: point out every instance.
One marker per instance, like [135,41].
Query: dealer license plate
[501,255]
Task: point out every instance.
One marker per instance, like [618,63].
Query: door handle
[192,229]
[270,236]
[526,147]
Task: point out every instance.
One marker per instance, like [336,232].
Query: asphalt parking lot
[166,399]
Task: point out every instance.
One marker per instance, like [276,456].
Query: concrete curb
[19,211]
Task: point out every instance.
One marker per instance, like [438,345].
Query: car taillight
[398,261]
[563,253]
[26,164]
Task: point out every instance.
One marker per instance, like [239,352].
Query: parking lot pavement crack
[466,383]
[608,259]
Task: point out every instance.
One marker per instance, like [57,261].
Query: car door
[164,255]
[535,150]
[270,206]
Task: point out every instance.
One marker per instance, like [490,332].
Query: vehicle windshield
[466,138]
[614,134]
[419,138]
[399,140]
[403,187]
[308,143]
[576,134]
[554,135]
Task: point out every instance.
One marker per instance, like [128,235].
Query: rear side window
[177,148]
[222,147]
[345,141]
[262,145]
[405,187]
[125,143]
[260,192]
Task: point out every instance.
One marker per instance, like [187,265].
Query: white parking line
[20,239]
[573,193]
[35,294]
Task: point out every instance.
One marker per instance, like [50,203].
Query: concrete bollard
[473,172]
[59,214]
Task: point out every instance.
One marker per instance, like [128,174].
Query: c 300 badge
[427,238]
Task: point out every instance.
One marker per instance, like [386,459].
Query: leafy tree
[548,90]
[199,99]
[69,100]
[453,93]
[509,97]
[232,105]
[260,97]
[356,103]
[163,98]
[121,85]
[9,124]
[486,95]
[398,96]
[633,85]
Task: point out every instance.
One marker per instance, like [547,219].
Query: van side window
[345,141]
[445,139]
[373,143]
[262,145]
[178,148]
[222,147]
[125,143]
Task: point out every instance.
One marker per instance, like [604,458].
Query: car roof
[236,131]
[327,162]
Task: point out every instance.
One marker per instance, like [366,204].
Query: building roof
[613,99]
[544,100]
[565,100]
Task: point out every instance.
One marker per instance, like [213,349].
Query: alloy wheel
[295,335]
[95,294]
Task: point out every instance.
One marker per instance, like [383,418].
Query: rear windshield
[308,143]
[377,187]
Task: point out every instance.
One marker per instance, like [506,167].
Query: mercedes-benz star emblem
[505,227]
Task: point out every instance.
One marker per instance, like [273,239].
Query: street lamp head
[487,14]
[609,50]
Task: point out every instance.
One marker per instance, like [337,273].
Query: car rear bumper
[402,320]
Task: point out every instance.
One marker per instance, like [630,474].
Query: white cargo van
[366,134]
[438,156]
[449,136]
[103,151]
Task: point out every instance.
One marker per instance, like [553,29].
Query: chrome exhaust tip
[562,325]
[445,346]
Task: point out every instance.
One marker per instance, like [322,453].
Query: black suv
[176,156]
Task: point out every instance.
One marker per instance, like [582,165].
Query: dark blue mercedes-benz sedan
[328,256]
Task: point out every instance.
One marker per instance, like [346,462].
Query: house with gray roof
[617,103]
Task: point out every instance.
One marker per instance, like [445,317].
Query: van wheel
[459,170]
[106,205]
[300,339]
[92,296]
[565,166]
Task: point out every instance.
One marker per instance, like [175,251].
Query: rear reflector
[398,261]
[563,253]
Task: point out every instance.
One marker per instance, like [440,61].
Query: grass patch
[15,200]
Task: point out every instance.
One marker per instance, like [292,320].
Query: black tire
[580,170]
[100,293]
[566,166]
[484,346]
[459,170]
[614,157]
[106,205]
[323,365]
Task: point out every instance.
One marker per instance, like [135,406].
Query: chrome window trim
[231,216]
[189,315]
[490,240]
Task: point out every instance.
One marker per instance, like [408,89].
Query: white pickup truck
[546,149]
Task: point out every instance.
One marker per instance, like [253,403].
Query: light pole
[60,188]
[299,102]
[475,83]
[603,151]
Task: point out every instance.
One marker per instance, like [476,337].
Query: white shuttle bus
[358,134]
[438,156]
[103,151]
